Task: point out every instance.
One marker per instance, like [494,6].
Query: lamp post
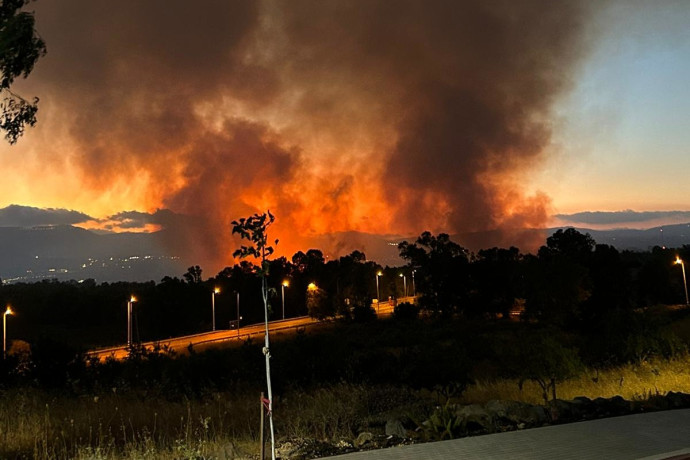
[238,314]
[130,304]
[685,280]
[215,292]
[414,289]
[282,291]
[4,331]
[378,294]
[404,285]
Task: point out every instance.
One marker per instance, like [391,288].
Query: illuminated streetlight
[215,292]
[404,285]
[311,287]
[4,331]
[282,290]
[414,289]
[685,280]
[378,294]
[130,303]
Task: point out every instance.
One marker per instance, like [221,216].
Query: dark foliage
[20,48]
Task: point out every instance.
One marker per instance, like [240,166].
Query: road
[383,309]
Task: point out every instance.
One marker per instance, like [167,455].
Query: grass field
[38,424]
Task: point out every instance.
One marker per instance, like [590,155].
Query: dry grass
[630,382]
[36,424]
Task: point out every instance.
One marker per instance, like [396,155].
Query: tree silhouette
[20,48]
[442,271]
[193,275]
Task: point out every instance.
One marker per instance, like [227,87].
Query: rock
[678,400]
[363,438]
[287,449]
[513,413]
[611,406]
[475,419]
[394,427]
[304,448]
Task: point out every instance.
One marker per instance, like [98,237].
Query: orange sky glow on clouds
[340,116]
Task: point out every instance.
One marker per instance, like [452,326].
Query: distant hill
[65,252]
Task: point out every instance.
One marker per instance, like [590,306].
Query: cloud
[627,217]
[26,216]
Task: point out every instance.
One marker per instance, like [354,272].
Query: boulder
[677,400]
[513,413]
[475,419]
[611,407]
[394,427]
[363,438]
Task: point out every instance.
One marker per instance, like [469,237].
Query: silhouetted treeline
[571,283]
[570,279]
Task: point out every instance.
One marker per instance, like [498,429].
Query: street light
[378,294]
[130,303]
[238,313]
[4,331]
[215,292]
[282,290]
[685,280]
[404,285]
[311,287]
[414,289]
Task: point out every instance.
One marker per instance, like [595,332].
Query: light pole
[238,314]
[282,290]
[414,289]
[404,285]
[4,331]
[130,304]
[378,294]
[215,292]
[685,280]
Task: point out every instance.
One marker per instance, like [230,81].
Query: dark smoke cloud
[467,85]
[133,78]
[310,107]
[27,216]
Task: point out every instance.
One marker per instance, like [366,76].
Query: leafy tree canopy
[20,48]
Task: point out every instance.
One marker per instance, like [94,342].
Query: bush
[406,311]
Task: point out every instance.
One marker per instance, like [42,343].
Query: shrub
[406,311]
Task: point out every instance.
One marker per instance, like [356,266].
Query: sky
[376,116]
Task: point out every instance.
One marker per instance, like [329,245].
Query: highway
[382,309]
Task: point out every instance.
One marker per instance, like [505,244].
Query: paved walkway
[652,436]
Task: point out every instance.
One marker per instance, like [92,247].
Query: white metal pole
[213,308]
[685,283]
[129,323]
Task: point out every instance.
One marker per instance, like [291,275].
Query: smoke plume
[374,116]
